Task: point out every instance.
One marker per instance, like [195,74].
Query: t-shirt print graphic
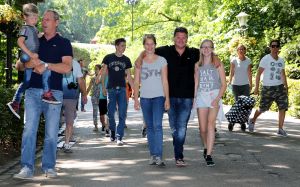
[117,66]
[147,73]
[206,80]
[275,70]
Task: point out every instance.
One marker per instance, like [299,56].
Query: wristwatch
[46,65]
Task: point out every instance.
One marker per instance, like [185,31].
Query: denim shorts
[273,93]
[204,99]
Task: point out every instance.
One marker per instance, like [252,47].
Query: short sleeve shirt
[240,71]
[116,70]
[72,77]
[101,96]
[31,37]
[272,70]
[180,70]
[51,51]
[151,81]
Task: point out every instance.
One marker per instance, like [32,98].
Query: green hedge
[294,99]
[11,128]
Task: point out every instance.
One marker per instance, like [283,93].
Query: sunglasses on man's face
[275,46]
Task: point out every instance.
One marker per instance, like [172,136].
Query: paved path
[242,159]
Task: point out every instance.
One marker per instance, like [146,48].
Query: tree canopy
[78,23]
[278,19]
[109,19]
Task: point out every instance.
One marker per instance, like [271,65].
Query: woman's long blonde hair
[201,57]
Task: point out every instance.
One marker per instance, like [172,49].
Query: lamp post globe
[243,19]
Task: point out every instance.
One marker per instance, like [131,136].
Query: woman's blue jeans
[153,110]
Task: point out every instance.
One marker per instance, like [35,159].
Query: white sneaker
[25,173]
[67,148]
[152,160]
[51,173]
[250,126]
[159,162]
[120,142]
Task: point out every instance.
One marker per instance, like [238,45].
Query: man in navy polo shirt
[56,52]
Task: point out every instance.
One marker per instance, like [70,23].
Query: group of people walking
[172,78]
[274,83]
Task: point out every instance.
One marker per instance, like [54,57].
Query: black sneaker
[217,135]
[209,161]
[144,132]
[107,133]
[204,153]
[112,136]
[103,128]
[230,126]
[243,127]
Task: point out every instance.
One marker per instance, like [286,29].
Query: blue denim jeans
[46,75]
[179,114]
[117,97]
[153,111]
[22,87]
[34,107]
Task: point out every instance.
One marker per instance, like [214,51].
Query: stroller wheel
[243,127]
[230,126]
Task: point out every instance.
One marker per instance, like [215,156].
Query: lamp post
[243,19]
[132,3]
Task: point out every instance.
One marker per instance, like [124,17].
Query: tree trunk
[9,57]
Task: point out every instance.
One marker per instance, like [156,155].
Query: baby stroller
[240,112]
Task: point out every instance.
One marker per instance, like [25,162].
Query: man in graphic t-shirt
[117,65]
[274,88]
